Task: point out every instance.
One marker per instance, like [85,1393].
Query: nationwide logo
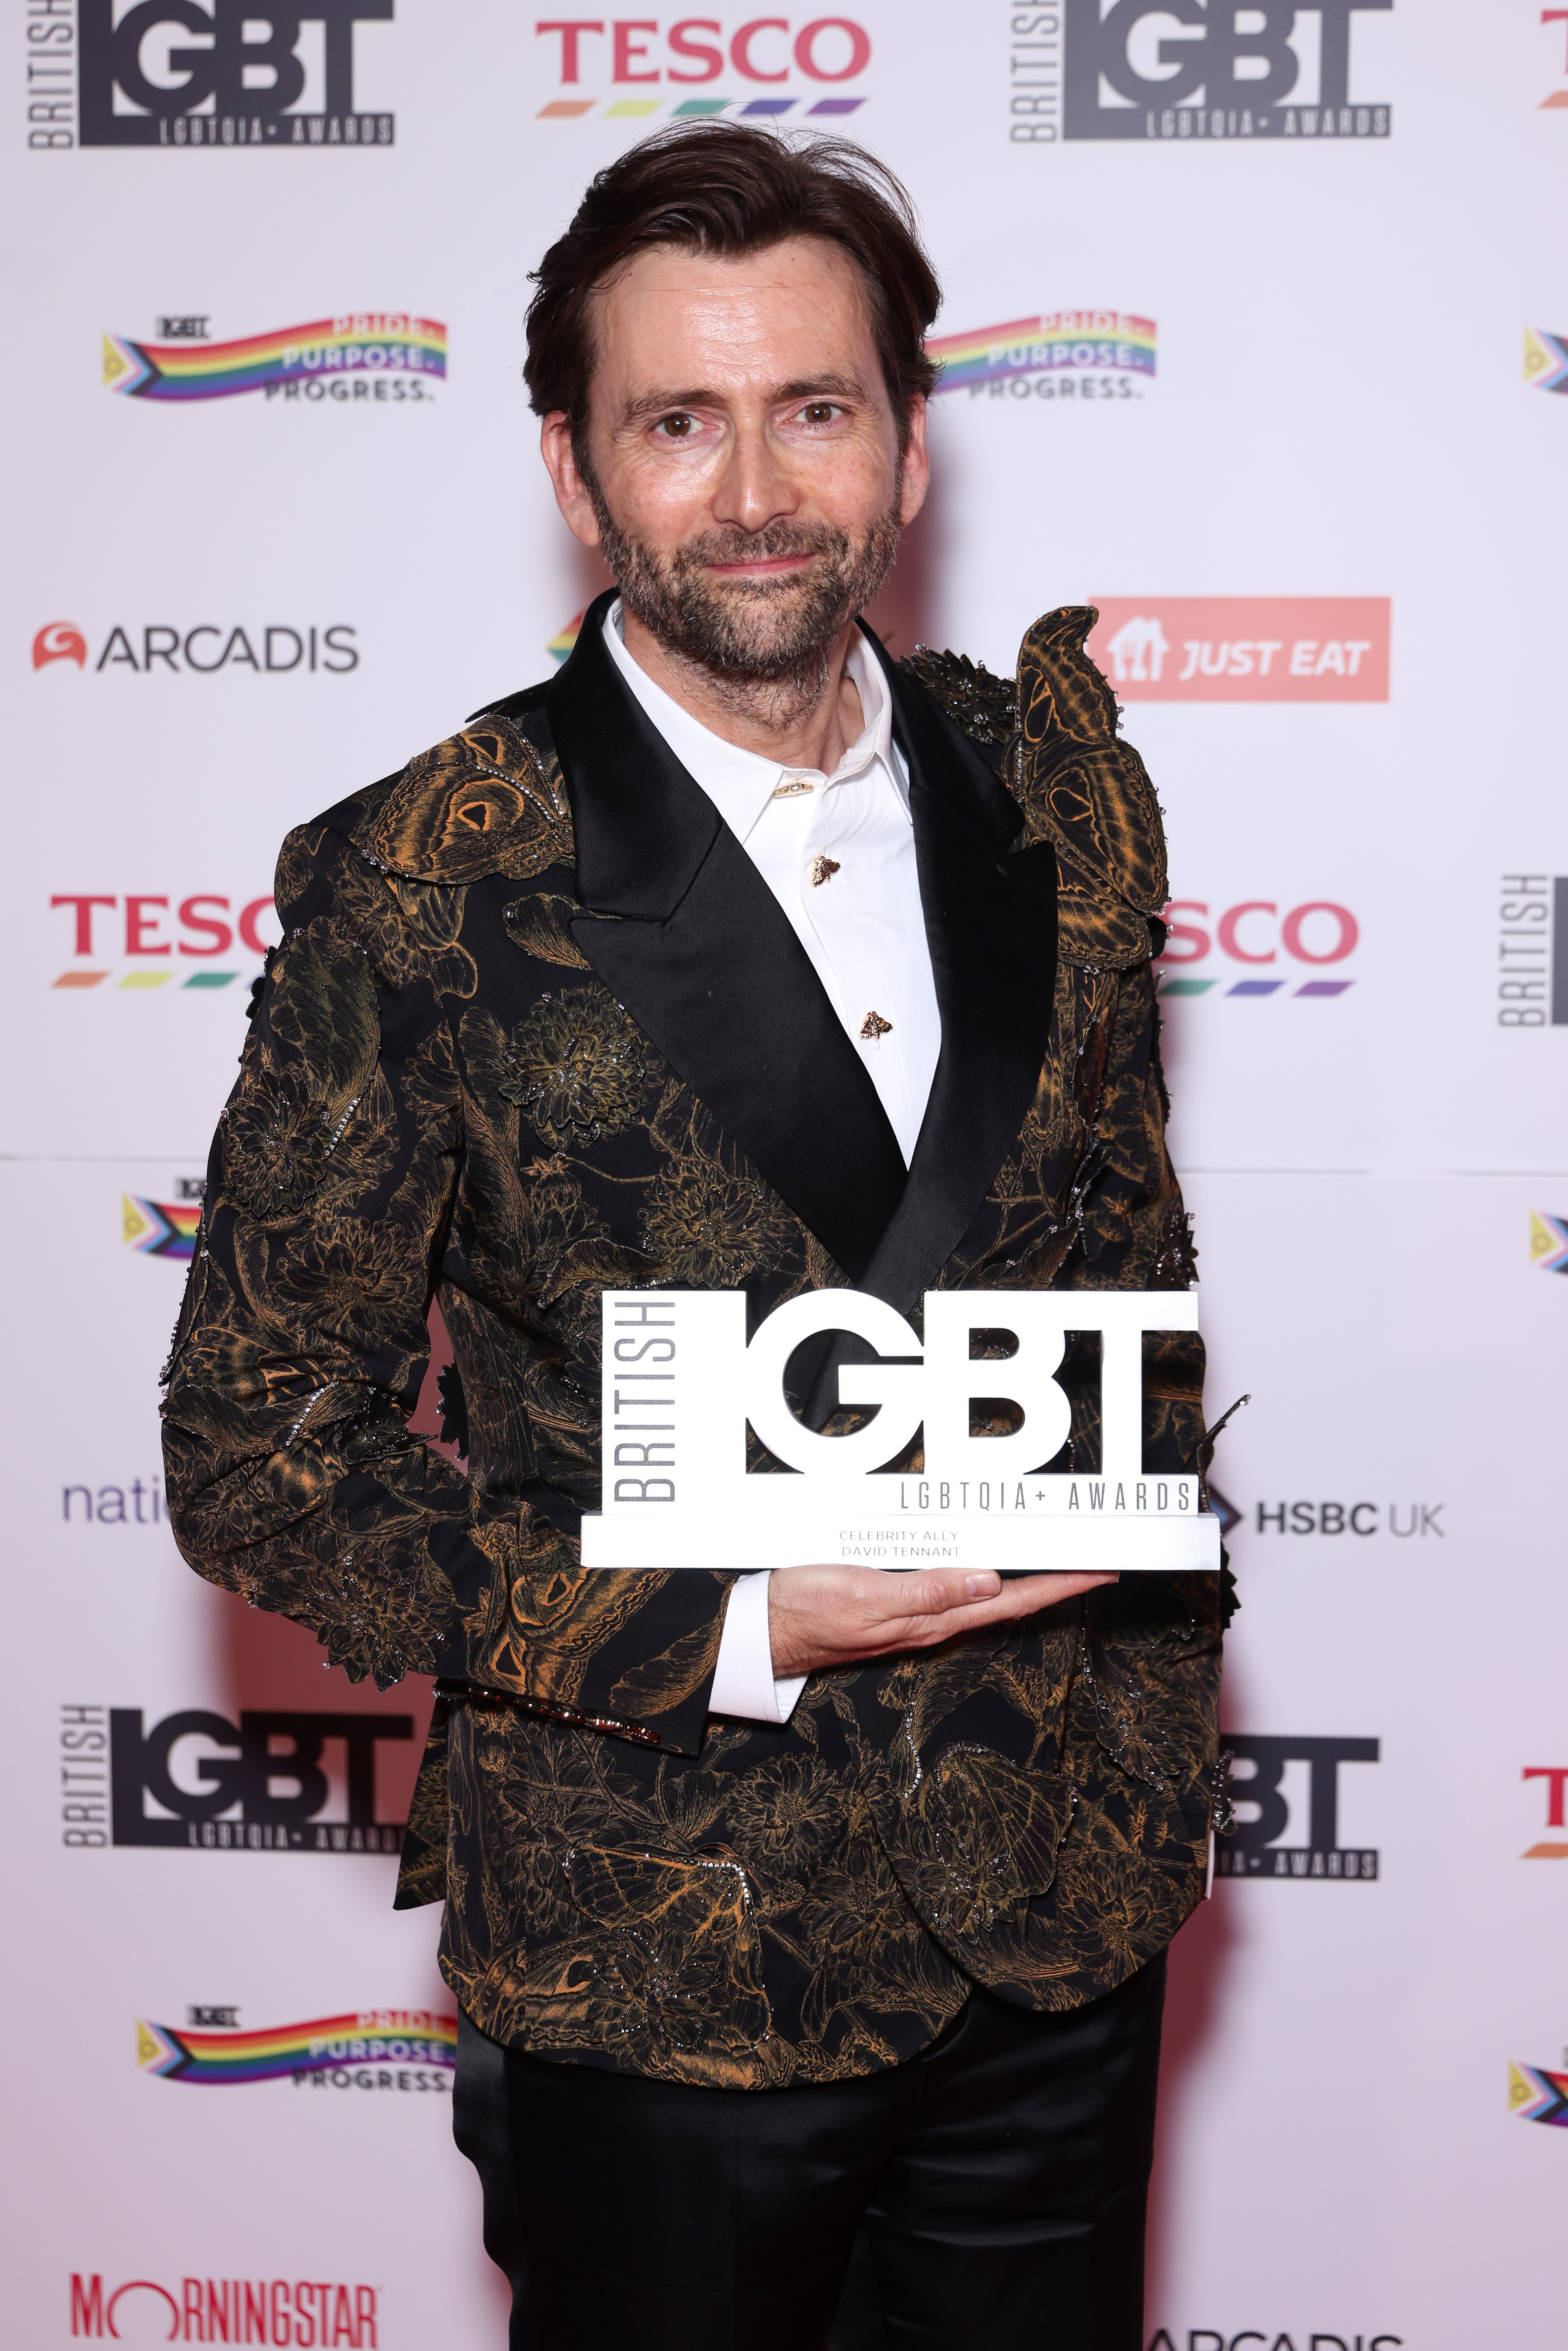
[160,1229]
[159,944]
[1548,1241]
[1067,355]
[273,649]
[1244,648]
[634,54]
[1294,1828]
[1317,933]
[226,2310]
[1556,1777]
[1199,69]
[359,355]
[259,1786]
[1532,951]
[211,73]
[400,2037]
[1536,2095]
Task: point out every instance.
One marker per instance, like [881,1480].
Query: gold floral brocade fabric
[440,1096]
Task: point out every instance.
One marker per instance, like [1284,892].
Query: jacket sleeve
[1123,1226]
[293,1478]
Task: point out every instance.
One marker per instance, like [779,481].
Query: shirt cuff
[744,1682]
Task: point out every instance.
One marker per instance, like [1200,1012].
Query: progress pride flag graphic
[1244,648]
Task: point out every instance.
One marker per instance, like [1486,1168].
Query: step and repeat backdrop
[1256,335]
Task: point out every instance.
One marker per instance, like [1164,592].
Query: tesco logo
[697,50]
[1256,933]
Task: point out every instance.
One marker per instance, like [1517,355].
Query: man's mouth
[761,567]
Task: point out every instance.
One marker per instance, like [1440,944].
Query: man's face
[744,477]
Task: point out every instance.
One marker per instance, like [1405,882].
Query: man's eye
[819,412]
[677,428]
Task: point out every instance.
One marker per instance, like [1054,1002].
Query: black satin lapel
[990,922]
[705,961]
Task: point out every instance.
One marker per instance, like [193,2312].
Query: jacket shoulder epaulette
[489,799]
[984,705]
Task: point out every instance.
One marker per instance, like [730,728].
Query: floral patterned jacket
[538,1026]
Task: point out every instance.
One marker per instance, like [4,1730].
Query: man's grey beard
[763,644]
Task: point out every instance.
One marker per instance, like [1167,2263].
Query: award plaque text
[682,1381]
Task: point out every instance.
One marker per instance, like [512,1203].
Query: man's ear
[916,476]
[566,479]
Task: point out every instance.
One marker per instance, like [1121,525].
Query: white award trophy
[681,1382]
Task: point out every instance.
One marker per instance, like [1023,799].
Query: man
[778,1908]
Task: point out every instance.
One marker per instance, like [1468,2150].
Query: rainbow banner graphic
[1537,2097]
[159,1228]
[559,647]
[1548,1241]
[1103,341]
[369,2037]
[370,342]
[1545,360]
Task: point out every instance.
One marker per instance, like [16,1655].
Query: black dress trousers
[989,2194]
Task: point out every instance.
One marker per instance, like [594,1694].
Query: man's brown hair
[724,188]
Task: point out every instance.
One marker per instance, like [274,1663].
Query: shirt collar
[742,783]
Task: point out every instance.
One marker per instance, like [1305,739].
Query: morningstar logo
[219,73]
[356,356]
[1257,947]
[198,1782]
[197,942]
[157,648]
[1062,355]
[1192,69]
[309,2312]
[1287,1806]
[376,2037]
[1244,648]
[702,65]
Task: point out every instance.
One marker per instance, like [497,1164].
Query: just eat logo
[640,53]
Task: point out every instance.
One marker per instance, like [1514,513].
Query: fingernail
[983,1587]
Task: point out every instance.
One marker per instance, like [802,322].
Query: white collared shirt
[838,853]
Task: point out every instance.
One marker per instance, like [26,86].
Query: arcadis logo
[211,73]
[1192,69]
[1244,648]
[638,67]
[375,2037]
[1269,2338]
[358,355]
[1065,355]
[310,2313]
[273,648]
[1252,934]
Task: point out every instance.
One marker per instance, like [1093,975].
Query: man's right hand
[842,1616]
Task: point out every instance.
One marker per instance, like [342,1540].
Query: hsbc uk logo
[1194,69]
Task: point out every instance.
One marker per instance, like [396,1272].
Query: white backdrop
[1277,393]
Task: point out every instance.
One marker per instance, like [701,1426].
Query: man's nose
[756,487]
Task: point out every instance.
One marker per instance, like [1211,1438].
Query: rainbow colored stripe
[216,2060]
[559,647]
[1537,2097]
[374,342]
[1545,360]
[161,1228]
[1107,341]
